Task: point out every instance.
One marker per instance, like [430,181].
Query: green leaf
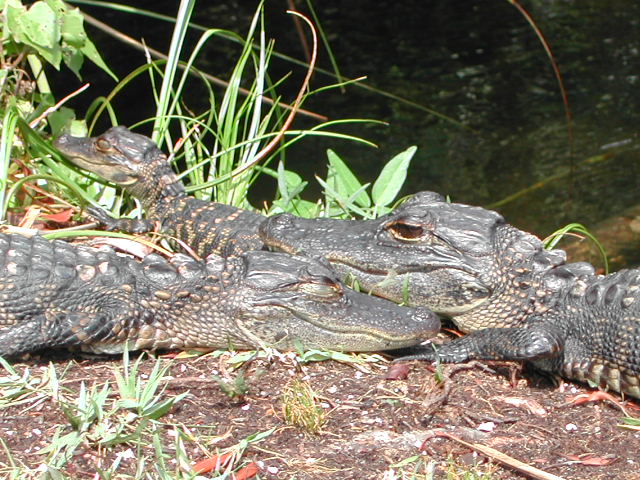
[60,119]
[91,52]
[345,182]
[391,178]
[40,25]
[15,12]
[72,29]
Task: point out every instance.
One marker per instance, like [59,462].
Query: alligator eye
[323,287]
[405,231]
[103,145]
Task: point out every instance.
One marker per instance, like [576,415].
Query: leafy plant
[236,388]
[345,195]
[144,397]
[50,29]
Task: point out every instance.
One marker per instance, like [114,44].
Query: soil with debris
[411,426]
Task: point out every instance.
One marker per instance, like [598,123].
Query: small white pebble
[272,470]
[332,389]
[359,374]
[325,405]
[183,367]
[36,431]
[486,427]
[245,407]
[570,427]
[126,455]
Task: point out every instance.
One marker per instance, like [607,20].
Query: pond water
[502,126]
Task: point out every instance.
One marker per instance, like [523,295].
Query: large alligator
[57,295]
[135,162]
[518,300]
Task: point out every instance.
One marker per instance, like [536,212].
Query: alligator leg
[53,329]
[129,225]
[496,344]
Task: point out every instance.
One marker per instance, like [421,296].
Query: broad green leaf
[40,25]
[72,29]
[345,182]
[60,119]
[391,178]
[290,183]
[14,14]
[91,52]
[73,59]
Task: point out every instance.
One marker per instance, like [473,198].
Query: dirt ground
[372,423]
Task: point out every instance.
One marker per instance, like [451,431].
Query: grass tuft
[300,407]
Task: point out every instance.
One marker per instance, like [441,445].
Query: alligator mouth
[433,265]
[421,330]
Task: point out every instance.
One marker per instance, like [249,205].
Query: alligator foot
[132,225]
[495,344]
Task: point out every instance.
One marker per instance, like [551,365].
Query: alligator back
[54,294]
[210,227]
[600,317]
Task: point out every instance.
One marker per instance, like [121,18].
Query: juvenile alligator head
[290,301]
[128,159]
[135,162]
[458,260]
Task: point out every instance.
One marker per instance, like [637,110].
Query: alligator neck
[158,186]
[527,280]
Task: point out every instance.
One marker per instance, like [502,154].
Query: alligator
[516,300]
[135,163]
[54,294]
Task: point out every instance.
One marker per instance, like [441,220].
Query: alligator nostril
[61,140]
[430,320]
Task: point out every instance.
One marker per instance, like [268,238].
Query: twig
[502,458]
[44,114]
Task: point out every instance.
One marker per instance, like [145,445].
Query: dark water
[479,63]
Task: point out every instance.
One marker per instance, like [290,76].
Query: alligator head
[458,260]
[128,159]
[286,301]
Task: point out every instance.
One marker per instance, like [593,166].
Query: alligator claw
[102,217]
[426,352]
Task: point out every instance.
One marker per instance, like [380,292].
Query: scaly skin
[135,162]
[57,295]
[519,301]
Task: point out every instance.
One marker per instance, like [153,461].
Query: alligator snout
[428,323]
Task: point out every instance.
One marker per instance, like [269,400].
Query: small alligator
[135,162]
[57,295]
[520,301]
